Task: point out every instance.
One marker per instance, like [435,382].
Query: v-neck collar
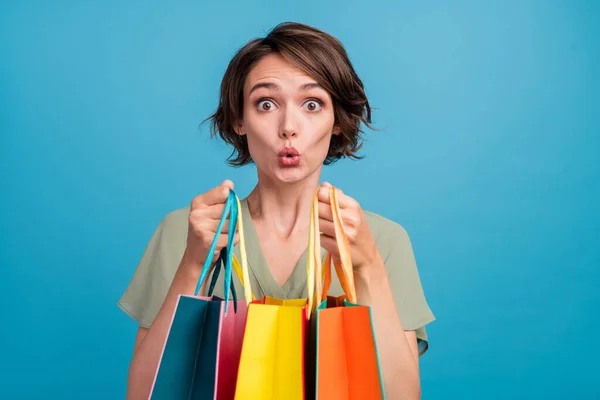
[294,287]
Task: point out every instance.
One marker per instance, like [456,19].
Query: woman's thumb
[228,184]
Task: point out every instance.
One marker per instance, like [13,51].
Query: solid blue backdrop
[490,153]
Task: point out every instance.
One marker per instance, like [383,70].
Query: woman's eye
[265,105]
[312,105]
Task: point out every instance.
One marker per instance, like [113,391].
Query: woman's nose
[289,125]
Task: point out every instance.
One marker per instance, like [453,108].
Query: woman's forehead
[277,70]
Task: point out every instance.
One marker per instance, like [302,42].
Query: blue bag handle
[226,254]
[213,282]
[233,220]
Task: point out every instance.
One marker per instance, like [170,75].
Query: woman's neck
[283,208]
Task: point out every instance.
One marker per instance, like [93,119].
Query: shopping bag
[273,360]
[201,353]
[346,360]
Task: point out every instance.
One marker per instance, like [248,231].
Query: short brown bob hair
[320,56]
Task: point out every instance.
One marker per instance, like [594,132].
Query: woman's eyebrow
[266,85]
[273,86]
[312,85]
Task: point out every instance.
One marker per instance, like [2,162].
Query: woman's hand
[205,213]
[363,249]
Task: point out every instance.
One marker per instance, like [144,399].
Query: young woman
[290,103]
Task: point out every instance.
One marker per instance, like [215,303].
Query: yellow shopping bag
[272,363]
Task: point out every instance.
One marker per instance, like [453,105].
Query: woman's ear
[336,130]
[239,128]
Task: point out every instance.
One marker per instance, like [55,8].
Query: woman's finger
[325,211]
[223,240]
[214,211]
[343,200]
[330,245]
[326,227]
[226,224]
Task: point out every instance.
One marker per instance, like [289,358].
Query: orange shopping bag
[346,359]
[272,363]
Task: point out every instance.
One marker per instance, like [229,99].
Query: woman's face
[288,120]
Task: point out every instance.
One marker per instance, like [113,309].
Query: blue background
[489,158]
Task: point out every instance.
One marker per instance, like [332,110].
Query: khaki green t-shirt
[148,288]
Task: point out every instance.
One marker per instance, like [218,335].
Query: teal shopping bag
[201,353]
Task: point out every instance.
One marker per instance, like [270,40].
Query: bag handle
[245,276]
[231,210]
[223,255]
[313,264]
[343,264]
[237,268]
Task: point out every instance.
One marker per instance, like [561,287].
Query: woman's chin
[290,175]
[286,175]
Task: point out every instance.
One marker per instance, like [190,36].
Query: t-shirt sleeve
[152,278]
[405,284]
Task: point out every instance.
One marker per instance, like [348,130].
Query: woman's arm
[150,341]
[398,351]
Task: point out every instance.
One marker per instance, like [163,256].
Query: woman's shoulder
[391,237]
[176,219]
[172,230]
[383,228]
